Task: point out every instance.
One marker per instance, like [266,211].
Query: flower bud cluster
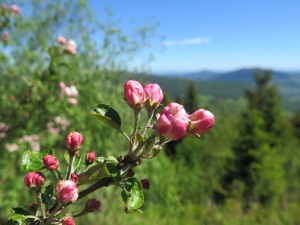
[173,122]
[70,92]
[68,45]
[138,96]
[7,13]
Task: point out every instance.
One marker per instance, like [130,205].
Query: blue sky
[217,35]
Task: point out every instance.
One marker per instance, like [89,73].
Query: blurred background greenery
[244,171]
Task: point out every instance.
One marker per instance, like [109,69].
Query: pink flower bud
[134,94]
[90,157]
[68,221]
[74,177]
[201,121]
[34,180]
[62,85]
[70,49]
[66,191]
[74,140]
[15,9]
[61,40]
[92,205]
[5,36]
[154,96]
[73,101]
[4,6]
[50,162]
[173,121]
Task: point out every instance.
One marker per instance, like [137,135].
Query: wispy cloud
[189,41]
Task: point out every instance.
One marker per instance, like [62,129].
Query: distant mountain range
[228,85]
[240,75]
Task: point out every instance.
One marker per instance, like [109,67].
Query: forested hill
[228,85]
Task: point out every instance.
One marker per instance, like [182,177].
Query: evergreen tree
[191,98]
[257,171]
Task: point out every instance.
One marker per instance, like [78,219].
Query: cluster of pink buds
[138,96]
[173,122]
[15,10]
[69,45]
[71,92]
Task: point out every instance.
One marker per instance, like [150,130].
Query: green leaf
[108,115]
[93,173]
[132,195]
[20,210]
[16,219]
[32,161]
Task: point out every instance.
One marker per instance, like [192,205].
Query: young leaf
[108,115]
[93,173]
[132,195]
[32,161]
[16,219]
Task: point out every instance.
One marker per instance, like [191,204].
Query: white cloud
[189,41]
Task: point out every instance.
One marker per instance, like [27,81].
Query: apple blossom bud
[74,177]
[172,122]
[4,6]
[145,184]
[201,121]
[50,162]
[71,47]
[74,141]
[90,158]
[61,40]
[66,191]
[73,101]
[33,206]
[154,96]
[134,94]
[34,180]
[92,205]
[62,85]
[5,36]
[15,9]
[68,221]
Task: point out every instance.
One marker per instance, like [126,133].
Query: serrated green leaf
[132,195]
[93,173]
[32,161]
[108,115]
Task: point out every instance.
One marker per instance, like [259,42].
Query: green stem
[136,122]
[59,174]
[58,206]
[53,174]
[70,166]
[39,201]
[148,123]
